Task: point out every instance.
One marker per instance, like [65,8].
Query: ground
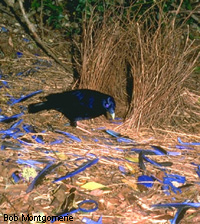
[36,149]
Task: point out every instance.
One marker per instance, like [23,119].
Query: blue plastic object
[80,209]
[187,143]
[23,98]
[119,137]
[30,129]
[47,169]
[19,54]
[80,169]
[73,137]
[90,221]
[15,177]
[11,118]
[168,183]
[145,180]
[182,208]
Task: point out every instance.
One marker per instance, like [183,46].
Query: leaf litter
[48,168]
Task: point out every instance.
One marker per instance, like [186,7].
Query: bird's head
[109,105]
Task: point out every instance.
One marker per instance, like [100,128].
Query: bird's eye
[107,105]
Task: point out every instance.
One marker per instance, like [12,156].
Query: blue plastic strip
[179,215]
[183,147]
[16,124]
[168,183]
[113,133]
[38,139]
[187,143]
[119,137]
[57,141]
[174,153]
[10,131]
[14,117]
[23,98]
[126,140]
[123,170]
[79,209]
[73,137]
[80,169]
[15,178]
[30,129]
[29,162]
[177,205]
[145,180]
[24,142]
[182,208]
[152,162]
[40,176]
[90,221]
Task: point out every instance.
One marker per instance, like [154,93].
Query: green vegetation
[71,14]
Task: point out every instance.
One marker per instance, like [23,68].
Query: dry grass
[163,58]
[143,63]
[103,54]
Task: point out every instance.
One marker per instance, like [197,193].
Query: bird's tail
[36,107]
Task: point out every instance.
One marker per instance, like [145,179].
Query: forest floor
[105,163]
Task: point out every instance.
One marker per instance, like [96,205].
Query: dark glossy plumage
[77,105]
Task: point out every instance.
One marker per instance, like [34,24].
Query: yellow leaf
[130,168]
[133,159]
[61,155]
[93,186]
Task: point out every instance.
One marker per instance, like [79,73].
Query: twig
[41,20]
[37,38]
[7,12]
[190,13]
[12,206]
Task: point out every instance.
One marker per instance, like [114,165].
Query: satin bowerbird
[76,105]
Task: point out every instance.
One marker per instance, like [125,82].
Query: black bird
[81,104]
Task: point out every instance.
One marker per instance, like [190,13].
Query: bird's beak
[113,116]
